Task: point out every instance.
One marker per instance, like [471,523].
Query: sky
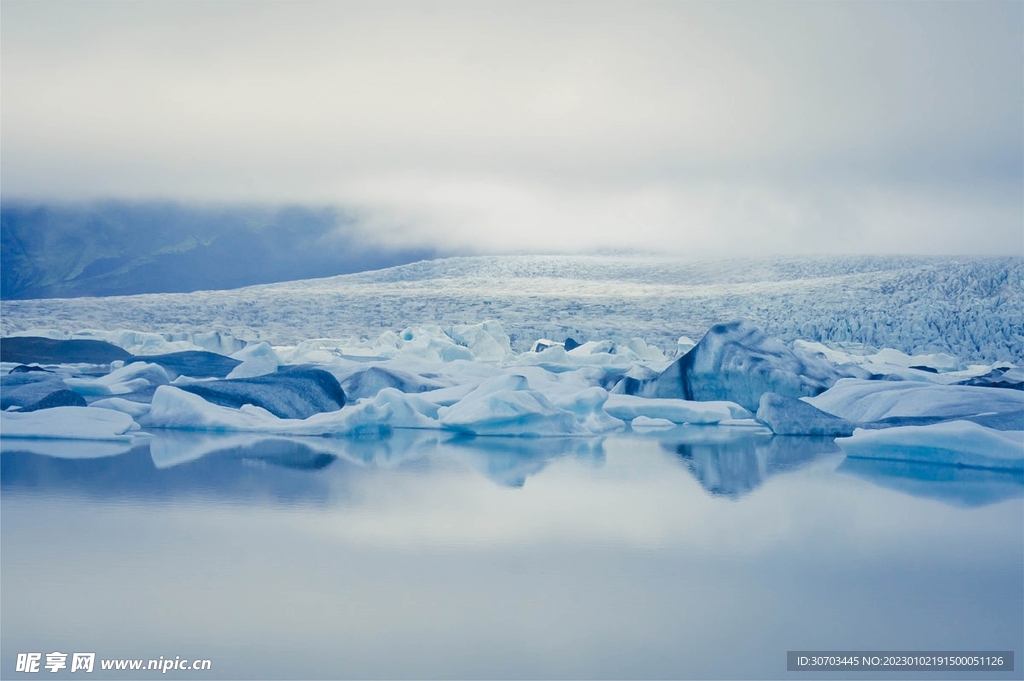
[735,128]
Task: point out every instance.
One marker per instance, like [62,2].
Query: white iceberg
[175,408]
[68,423]
[629,407]
[258,359]
[506,405]
[127,379]
[953,442]
[641,422]
[866,401]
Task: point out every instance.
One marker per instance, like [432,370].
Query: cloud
[735,127]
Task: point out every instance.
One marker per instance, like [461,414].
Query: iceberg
[487,341]
[629,407]
[872,401]
[367,382]
[34,390]
[790,416]
[130,407]
[505,405]
[641,422]
[173,407]
[738,362]
[999,377]
[257,359]
[195,363]
[959,443]
[127,379]
[68,423]
[295,393]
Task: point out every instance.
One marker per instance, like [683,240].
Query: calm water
[693,553]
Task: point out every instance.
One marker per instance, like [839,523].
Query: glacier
[968,308]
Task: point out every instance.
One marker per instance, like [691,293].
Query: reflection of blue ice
[509,461]
[66,449]
[242,466]
[954,485]
[734,462]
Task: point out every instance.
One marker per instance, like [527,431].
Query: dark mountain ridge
[124,248]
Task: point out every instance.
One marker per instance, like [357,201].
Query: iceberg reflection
[953,485]
[734,462]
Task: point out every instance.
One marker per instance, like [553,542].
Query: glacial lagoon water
[686,553]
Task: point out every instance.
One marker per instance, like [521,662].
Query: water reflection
[954,485]
[424,555]
[250,466]
[730,463]
[733,464]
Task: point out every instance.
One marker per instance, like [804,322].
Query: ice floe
[68,423]
[955,442]
[629,407]
[867,401]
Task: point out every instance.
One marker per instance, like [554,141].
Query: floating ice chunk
[644,351]
[258,359]
[446,397]
[628,407]
[999,377]
[26,388]
[505,405]
[295,393]
[508,412]
[133,409]
[68,423]
[743,423]
[138,342]
[637,380]
[938,361]
[542,344]
[251,368]
[487,341]
[865,401]
[430,344]
[195,363]
[175,408]
[684,345]
[641,422]
[368,381]
[554,356]
[790,416]
[127,379]
[406,411]
[739,362]
[953,442]
[588,407]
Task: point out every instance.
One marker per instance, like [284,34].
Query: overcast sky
[725,127]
